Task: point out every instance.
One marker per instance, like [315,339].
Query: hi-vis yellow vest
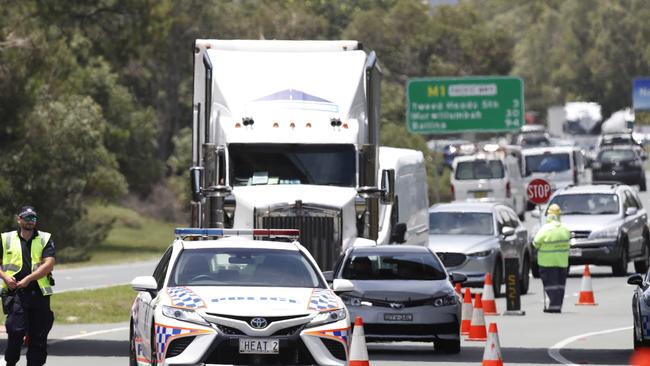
[12,257]
[553,243]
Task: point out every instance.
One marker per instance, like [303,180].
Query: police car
[227,296]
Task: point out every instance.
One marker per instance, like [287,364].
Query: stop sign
[539,191]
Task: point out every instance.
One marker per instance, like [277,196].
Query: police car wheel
[132,356]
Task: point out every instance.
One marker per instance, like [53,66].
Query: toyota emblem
[396,305]
[258,323]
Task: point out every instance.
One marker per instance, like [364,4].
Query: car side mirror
[507,231]
[329,276]
[457,278]
[341,285]
[146,284]
[398,234]
[631,211]
[635,280]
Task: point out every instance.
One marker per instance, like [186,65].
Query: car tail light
[508,192]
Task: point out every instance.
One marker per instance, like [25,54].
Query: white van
[561,166]
[491,176]
[410,213]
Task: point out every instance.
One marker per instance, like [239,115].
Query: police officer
[27,260]
[552,243]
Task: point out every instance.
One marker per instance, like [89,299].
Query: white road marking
[84,335]
[554,351]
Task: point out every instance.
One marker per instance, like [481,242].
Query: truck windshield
[479,169]
[587,204]
[394,266]
[547,163]
[260,164]
[243,267]
[460,223]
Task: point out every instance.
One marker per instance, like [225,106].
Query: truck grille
[320,230]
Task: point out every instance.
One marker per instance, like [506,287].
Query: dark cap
[27,211]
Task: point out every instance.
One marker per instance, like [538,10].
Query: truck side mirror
[388,186]
[398,233]
[196,176]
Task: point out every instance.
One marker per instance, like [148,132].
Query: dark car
[619,164]
[403,293]
[641,309]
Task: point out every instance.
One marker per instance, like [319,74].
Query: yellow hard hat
[553,209]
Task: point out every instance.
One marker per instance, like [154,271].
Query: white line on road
[554,351]
[84,335]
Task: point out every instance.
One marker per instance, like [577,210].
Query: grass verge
[105,305]
[133,237]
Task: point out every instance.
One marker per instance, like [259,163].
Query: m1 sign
[539,191]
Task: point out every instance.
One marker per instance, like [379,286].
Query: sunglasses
[30,218]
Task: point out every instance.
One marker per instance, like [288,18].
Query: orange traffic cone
[489,305]
[458,289]
[466,316]
[492,353]
[358,350]
[586,291]
[477,329]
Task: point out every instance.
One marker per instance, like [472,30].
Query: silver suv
[608,226]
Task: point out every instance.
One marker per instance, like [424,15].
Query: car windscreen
[587,204]
[610,156]
[243,267]
[461,223]
[260,164]
[479,169]
[420,266]
[547,163]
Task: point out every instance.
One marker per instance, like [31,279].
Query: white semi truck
[286,135]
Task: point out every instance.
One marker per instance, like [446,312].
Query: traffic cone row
[358,349]
[489,305]
[586,291]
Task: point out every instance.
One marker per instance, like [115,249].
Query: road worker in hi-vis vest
[552,242]
[27,258]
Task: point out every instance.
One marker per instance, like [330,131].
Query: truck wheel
[524,282]
[447,346]
[620,267]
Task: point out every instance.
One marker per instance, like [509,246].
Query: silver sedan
[403,293]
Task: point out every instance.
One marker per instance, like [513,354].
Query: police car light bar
[220,233]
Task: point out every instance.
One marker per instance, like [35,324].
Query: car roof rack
[216,233]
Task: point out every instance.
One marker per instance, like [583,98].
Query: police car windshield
[394,266]
[587,204]
[244,267]
[262,164]
[460,223]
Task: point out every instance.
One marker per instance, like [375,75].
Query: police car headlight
[445,301]
[185,315]
[326,317]
[482,254]
[607,233]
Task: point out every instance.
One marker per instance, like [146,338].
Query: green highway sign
[476,104]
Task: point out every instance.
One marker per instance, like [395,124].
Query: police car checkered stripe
[184,297]
[341,335]
[164,335]
[323,300]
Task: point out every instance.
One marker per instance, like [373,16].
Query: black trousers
[554,280]
[30,314]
